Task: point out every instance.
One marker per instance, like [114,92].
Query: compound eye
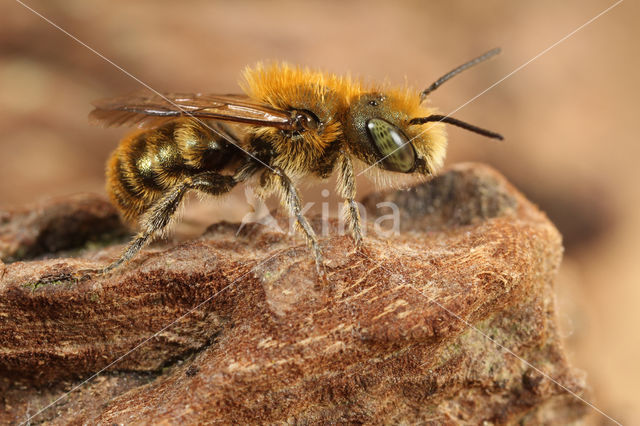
[395,149]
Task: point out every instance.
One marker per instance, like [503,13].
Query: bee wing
[150,110]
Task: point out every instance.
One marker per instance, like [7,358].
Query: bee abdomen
[142,168]
[123,195]
[148,163]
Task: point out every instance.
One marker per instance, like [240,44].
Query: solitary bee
[291,123]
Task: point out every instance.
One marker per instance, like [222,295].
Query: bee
[290,124]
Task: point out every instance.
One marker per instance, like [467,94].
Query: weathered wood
[399,333]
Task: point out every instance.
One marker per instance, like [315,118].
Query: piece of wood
[403,331]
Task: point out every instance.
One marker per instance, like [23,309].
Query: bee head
[379,130]
[388,130]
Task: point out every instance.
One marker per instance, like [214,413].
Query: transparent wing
[150,110]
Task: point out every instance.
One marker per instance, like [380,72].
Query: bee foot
[85,274]
[322,280]
[320,269]
[358,246]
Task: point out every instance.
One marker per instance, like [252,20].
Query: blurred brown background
[568,117]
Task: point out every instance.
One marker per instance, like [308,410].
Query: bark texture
[416,327]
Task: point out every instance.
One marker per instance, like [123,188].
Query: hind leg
[157,217]
[160,213]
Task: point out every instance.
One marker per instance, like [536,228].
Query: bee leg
[246,170]
[347,190]
[160,213]
[291,201]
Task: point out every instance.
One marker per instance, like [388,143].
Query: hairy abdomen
[147,164]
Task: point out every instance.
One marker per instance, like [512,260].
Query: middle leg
[291,200]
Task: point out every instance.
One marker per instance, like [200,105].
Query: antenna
[457,71]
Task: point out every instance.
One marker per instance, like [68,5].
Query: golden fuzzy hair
[286,87]
[278,84]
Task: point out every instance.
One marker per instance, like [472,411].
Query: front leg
[347,190]
[291,200]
